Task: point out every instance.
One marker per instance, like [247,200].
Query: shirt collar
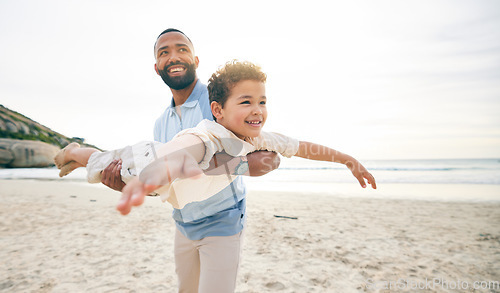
[193,98]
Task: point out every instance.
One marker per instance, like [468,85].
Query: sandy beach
[64,236]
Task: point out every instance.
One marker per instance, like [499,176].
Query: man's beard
[179,82]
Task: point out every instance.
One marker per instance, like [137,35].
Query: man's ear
[216,110]
[156,69]
[196,61]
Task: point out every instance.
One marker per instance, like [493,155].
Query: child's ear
[216,110]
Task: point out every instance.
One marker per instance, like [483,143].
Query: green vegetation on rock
[14,125]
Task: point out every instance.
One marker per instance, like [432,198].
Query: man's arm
[259,163]
[312,151]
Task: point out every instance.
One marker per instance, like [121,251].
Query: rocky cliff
[27,143]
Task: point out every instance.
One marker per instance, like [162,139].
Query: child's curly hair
[224,79]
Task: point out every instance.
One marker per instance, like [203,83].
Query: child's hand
[133,195]
[360,172]
[157,174]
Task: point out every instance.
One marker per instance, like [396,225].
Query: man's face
[175,60]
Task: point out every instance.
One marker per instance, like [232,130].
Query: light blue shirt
[222,214]
[195,109]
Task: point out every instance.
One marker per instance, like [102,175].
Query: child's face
[245,112]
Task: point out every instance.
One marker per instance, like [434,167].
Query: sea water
[468,180]
[448,171]
[438,179]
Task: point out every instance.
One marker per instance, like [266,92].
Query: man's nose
[174,57]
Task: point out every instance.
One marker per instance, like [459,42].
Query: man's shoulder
[201,86]
[162,116]
[162,120]
[201,91]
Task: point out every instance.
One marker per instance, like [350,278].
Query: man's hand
[111,176]
[360,172]
[259,163]
[161,172]
[262,162]
[221,163]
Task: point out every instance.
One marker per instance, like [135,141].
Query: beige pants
[209,265]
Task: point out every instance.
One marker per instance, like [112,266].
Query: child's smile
[255,123]
[245,112]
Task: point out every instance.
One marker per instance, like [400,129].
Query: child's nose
[257,110]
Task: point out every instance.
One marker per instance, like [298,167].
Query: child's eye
[245,102]
[263,102]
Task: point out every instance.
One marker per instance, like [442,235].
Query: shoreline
[431,192]
[59,236]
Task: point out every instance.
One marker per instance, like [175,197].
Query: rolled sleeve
[276,142]
[217,139]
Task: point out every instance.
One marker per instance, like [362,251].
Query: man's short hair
[169,30]
[222,82]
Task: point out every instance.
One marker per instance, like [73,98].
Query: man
[209,233]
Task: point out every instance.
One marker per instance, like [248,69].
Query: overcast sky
[375,79]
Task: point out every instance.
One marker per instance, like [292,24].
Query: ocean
[464,179]
[448,171]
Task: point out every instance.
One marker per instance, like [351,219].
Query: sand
[66,236]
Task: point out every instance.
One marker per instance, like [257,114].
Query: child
[238,103]
[237,95]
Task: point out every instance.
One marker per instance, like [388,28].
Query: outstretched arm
[176,159]
[312,151]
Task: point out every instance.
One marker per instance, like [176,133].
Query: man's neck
[180,96]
